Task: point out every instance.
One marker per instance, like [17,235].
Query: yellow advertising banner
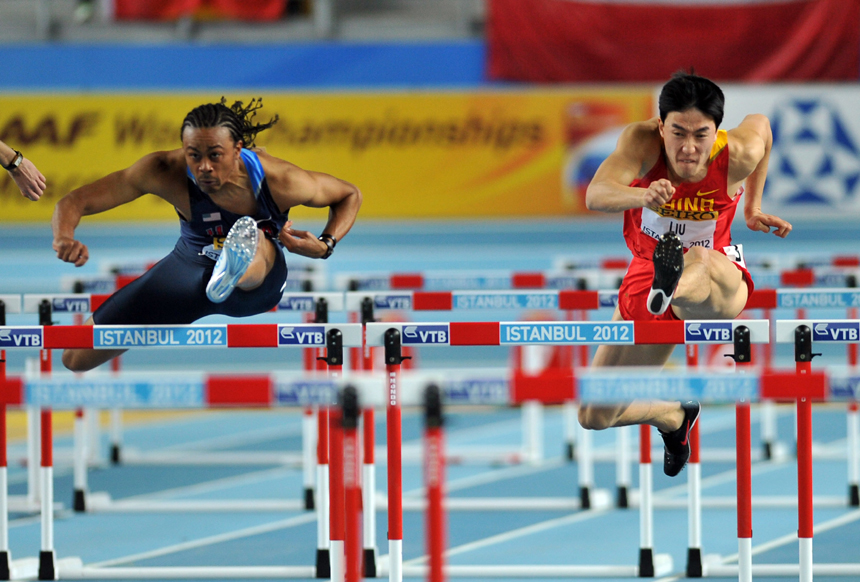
[470,154]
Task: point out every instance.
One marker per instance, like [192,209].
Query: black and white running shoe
[676,444]
[668,266]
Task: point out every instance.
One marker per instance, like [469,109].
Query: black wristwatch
[330,242]
[16,161]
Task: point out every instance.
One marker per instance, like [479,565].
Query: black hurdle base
[309,499]
[854,495]
[369,563]
[79,502]
[570,451]
[584,498]
[47,565]
[5,566]
[768,451]
[323,563]
[115,455]
[621,499]
[646,563]
[694,562]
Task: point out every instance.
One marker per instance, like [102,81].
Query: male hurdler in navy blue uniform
[233,206]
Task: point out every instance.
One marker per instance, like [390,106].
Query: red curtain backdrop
[550,41]
[173,9]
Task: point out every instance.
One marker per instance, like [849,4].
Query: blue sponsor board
[495,391]
[703,332]
[812,299]
[476,282]
[305,335]
[844,387]
[835,331]
[627,387]
[607,299]
[138,336]
[109,393]
[615,332]
[534,300]
[437,334]
[305,392]
[399,301]
[70,304]
[296,303]
[20,337]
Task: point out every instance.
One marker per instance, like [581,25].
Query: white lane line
[517,533]
[210,540]
[215,484]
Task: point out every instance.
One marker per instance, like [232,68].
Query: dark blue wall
[76,67]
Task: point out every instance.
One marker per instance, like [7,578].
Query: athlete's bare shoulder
[748,143]
[640,143]
[161,173]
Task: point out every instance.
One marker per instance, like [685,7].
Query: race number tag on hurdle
[20,337]
[149,336]
[567,333]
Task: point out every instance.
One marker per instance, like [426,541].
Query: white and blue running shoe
[240,246]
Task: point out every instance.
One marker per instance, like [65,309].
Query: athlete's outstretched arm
[28,178]
[149,174]
[610,191]
[749,149]
[293,186]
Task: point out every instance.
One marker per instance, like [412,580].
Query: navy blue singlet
[174,290]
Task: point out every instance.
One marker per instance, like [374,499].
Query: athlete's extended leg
[244,262]
[664,415]
[81,360]
[674,420]
[711,287]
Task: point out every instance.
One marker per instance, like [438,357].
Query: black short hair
[687,91]
[237,119]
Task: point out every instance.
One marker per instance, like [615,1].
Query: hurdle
[804,386]
[544,333]
[212,335]
[78,304]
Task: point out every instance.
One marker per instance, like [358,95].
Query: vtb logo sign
[21,338]
[836,331]
[425,334]
[68,304]
[302,336]
[710,332]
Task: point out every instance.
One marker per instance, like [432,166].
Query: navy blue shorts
[174,292]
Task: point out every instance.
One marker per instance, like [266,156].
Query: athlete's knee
[77,360]
[596,418]
[697,256]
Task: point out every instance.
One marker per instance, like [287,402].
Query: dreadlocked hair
[237,118]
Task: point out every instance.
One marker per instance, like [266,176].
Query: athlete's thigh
[728,291]
[171,292]
[635,355]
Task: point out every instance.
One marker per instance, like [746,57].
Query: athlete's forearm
[67,215]
[342,214]
[754,184]
[610,197]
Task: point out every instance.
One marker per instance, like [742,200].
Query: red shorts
[633,294]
